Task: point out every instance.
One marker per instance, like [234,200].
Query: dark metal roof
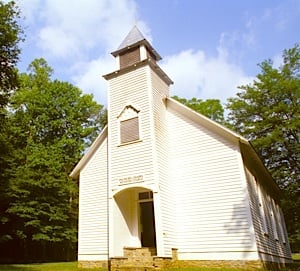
[135,38]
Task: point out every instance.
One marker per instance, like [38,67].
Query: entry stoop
[135,259]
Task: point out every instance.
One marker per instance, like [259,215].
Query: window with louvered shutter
[129,130]
[130,57]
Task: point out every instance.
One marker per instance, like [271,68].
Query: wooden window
[261,205]
[130,57]
[282,225]
[280,221]
[146,195]
[129,130]
[273,217]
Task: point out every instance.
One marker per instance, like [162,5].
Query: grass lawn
[72,266]
[296,256]
[64,266]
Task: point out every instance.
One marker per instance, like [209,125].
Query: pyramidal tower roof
[135,38]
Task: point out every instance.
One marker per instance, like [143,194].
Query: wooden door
[147,222]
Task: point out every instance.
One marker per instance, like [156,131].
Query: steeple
[134,49]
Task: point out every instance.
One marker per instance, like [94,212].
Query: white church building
[165,186]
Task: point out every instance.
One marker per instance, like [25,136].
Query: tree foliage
[267,112]
[211,108]
[10,35]
[50,125]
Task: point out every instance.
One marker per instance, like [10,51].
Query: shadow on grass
[58,266]
[17,267]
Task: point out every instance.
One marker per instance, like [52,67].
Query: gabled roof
[133,39]
[205,121]
[250,156]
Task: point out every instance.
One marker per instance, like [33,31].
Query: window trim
[274,221]
[262,211]
[280,221]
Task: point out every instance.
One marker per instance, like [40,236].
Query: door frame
[140,226]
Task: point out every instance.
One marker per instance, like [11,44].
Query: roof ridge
[134,36]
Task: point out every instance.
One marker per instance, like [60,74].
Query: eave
[137,65]
[136,44]
[86,157]
[205,121]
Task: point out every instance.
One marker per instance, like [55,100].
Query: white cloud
[88,76]
[278,16]
[72,28]
[56,41]
[80,34]
[277,61]
[30,9]
[196,75]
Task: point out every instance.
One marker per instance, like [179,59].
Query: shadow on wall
[240,227]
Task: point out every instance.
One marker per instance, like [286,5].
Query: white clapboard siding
[210,199]
[271,247]
[206,203]
[124,222]
[159,91]
[130,159]
[93,216]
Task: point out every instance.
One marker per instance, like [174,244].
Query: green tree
[211,108]
[267,112]
[10,35]
[51,124]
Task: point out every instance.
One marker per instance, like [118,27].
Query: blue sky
[209,47]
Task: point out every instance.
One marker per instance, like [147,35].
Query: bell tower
[136,141]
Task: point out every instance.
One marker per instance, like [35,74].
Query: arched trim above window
[129,125]
[128,112]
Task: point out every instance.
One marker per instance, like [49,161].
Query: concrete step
[138,252]
[134,268]
[135,259]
